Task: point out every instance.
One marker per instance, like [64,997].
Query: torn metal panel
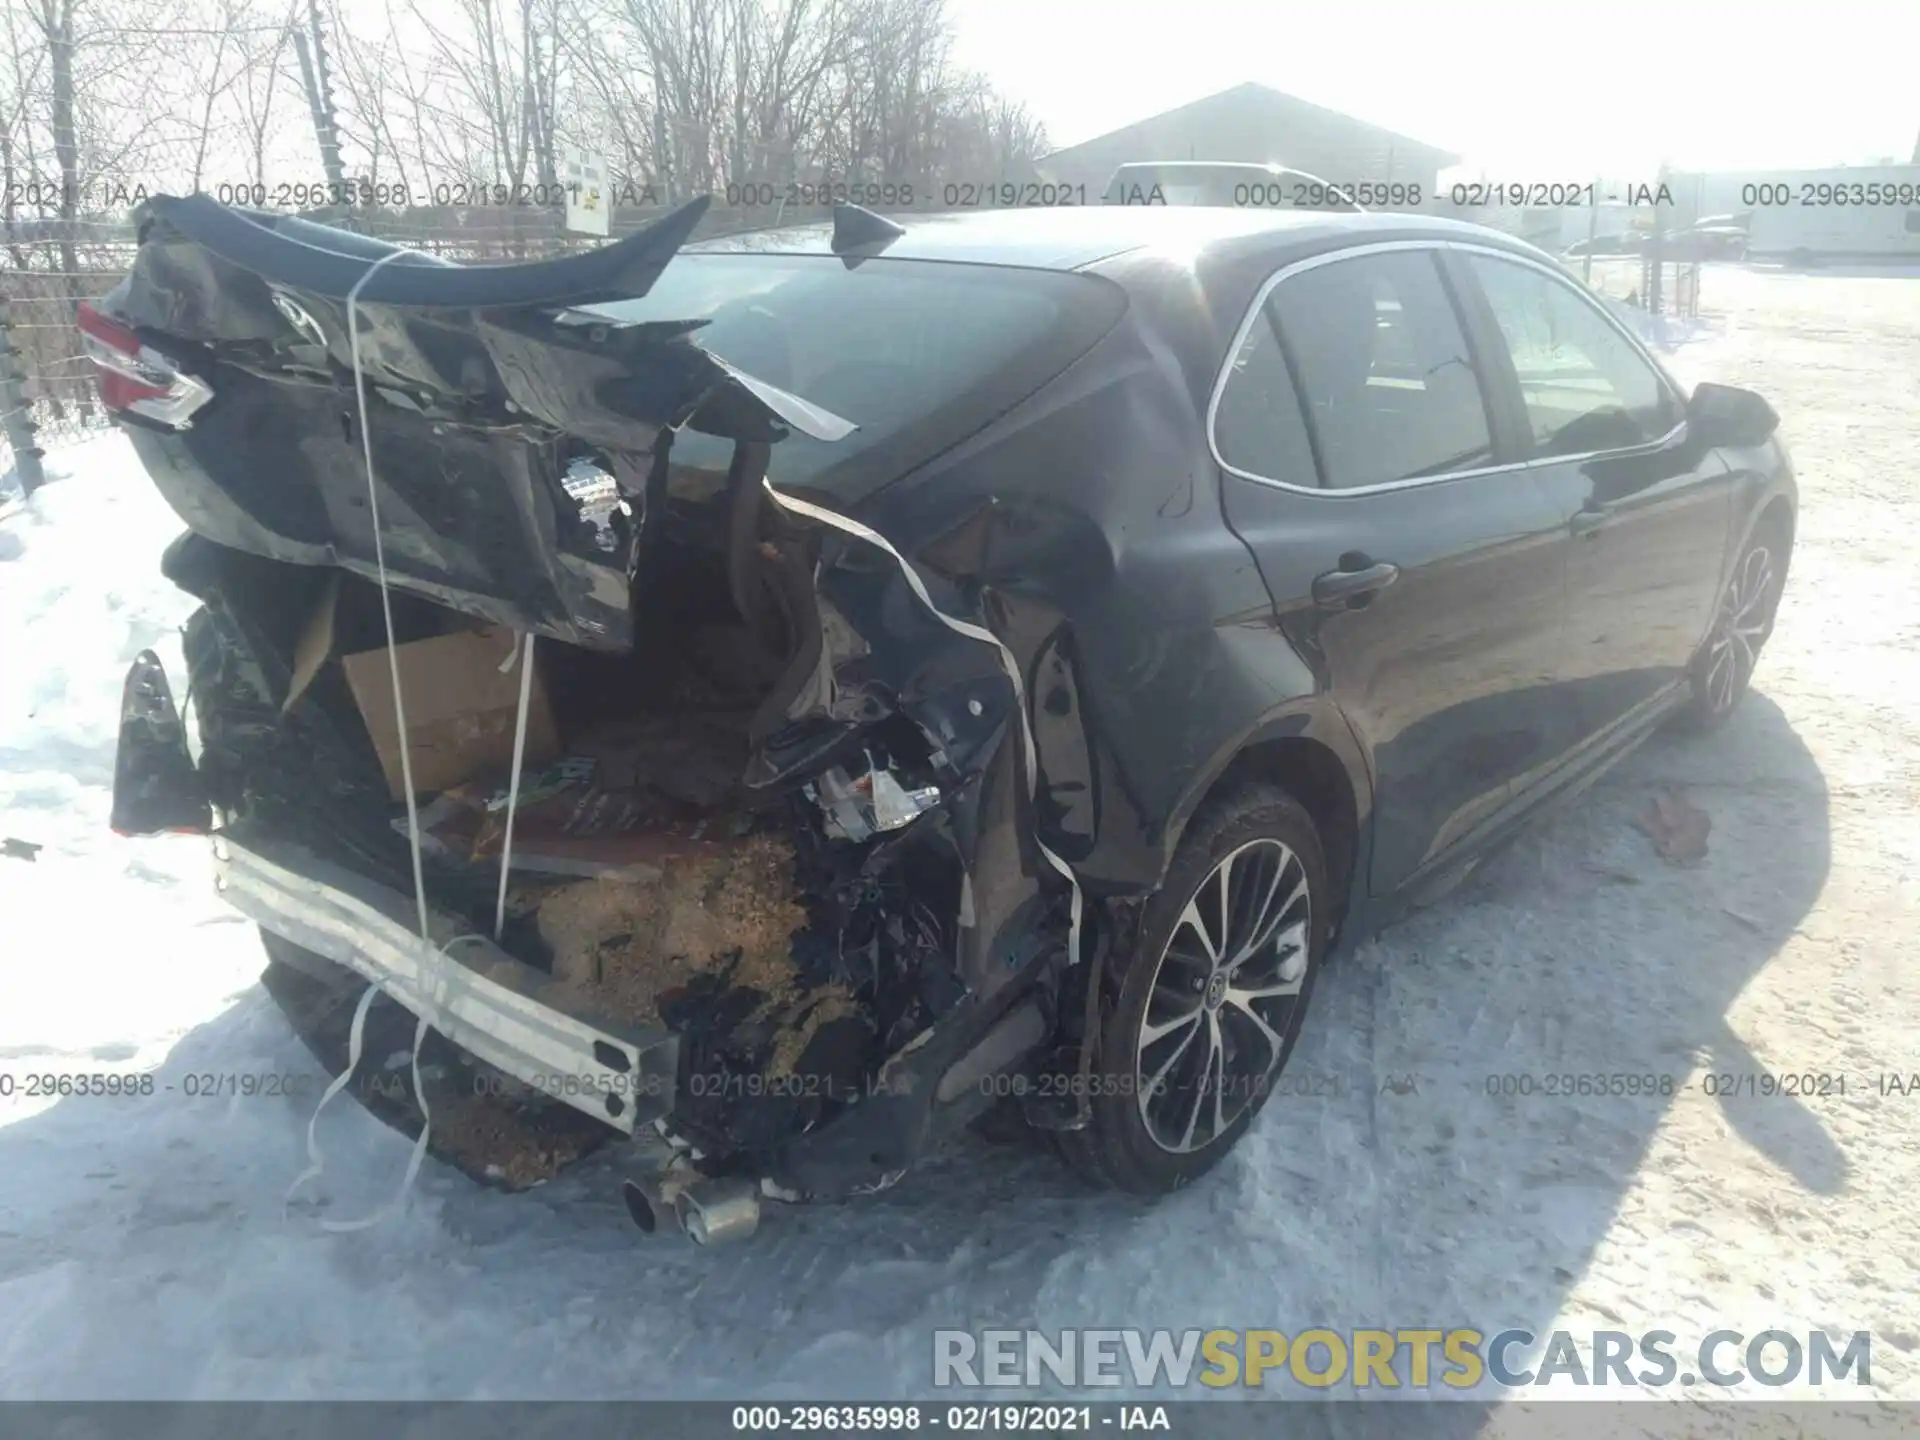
[968,629]
[894,880]
[484,394]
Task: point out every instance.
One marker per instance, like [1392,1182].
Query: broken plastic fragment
[857,810]
[597,494]
[894,805]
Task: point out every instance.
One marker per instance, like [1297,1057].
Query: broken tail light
[136,377]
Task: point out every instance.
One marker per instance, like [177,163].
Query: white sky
[1541,91]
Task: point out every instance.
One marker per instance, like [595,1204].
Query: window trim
[1381,247]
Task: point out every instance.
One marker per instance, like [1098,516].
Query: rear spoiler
[320,262]
[323,261]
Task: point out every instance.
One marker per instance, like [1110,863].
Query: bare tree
[386,112]
[690,95]
[258,85]
[501,58]
[609,97]
[55,21]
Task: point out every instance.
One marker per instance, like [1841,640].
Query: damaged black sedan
[770,700]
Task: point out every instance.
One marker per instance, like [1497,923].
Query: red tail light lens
[137,377]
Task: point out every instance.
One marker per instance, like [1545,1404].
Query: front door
[1423,583]
[1648,508]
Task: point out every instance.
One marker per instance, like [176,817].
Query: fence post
[14,409]
[1593,228]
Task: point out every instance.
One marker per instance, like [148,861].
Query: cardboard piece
[315,645]
[460,704]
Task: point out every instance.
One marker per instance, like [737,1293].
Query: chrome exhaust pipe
[645,1208]
[708,1212]
[718,1212]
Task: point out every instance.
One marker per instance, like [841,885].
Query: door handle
[1358,578]
[1590,519]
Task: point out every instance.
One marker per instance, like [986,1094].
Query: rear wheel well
[1313,775]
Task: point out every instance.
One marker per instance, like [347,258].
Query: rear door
[1366,465]
[1648,508]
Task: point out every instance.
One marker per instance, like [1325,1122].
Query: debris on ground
[1677,827]
[516,1146]
[619,946]
[1614,875]
[14,849]
[816,1011]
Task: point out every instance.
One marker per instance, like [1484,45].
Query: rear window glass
[919,354]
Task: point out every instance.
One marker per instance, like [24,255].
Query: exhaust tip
[639,1207]
[718,1212]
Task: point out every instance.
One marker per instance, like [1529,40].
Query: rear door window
[1584,386]
[1384,370]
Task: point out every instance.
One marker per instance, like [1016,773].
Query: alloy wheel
[1739,629]
[1223,997]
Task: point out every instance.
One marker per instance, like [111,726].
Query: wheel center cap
[1217,990]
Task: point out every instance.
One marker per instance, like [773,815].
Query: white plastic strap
[513,782]
[356,1034]
[386,598]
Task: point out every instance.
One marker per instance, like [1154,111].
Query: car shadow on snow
[1390,1184]
[1425,1162]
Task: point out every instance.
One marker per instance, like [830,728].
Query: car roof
[1073,237]
[1269,166]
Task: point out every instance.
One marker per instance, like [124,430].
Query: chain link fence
[46,383]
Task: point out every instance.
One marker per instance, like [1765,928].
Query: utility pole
[313,75]
[1656,251]
[663,156]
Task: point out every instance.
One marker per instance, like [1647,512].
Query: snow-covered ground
[143,1250]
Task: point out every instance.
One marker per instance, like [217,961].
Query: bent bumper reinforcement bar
[470,990]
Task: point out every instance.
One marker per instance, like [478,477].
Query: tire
[1151,1138]
[1742,623]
